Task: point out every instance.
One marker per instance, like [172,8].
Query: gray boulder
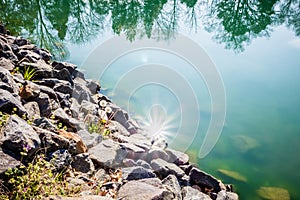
[44,123]
[146,189]
[83,163]
[203,179]
[33,110]
[88,108]
[89,139]
[65,88]
[163,168]
[44,104]
[64,65]
[177,157]
[133,151]
[7,81]
[138,140]
[8,102]
[136,173]
[143,163]
[94,86]
[65,118]
[171,183]
[189,193]
[224,195]
[6,63]
[51,141]
[51,93]
[107,153]
[60,159]
[155,153]
[7,162]
[18,136]
[81,92]
[74,107]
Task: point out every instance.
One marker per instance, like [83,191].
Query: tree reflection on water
[235,23]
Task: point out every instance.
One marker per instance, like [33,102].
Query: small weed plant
[35,181]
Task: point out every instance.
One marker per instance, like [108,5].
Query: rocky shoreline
[49,108]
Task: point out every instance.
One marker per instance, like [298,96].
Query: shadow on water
[233,23]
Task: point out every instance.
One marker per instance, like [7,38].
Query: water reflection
[234,23]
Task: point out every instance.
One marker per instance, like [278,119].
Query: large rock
[44,123]
[146,189]
[83,163]
[90,139]
[44,104]
[76,144]
[224,195]
[6,162]
[202,179]
[33,110]
[64,100]
[45,54]
[107,153]
[121,116]
[64,65]
[81,92]
[163,168]
[74,107]
[51,141]
[244,143]
[136,173]
[171,183]
[133,151]
[7,81]
[138,140]
[7,64]
[20,41]
[9,102]
[28,55]
[155,153]
[189,193]
[42,69]
[177,157]
[65,118]
[88,108]
[29,90]
[51,93]
[65,88]
[18,136]
[60,159]
[86,197]
[94,86]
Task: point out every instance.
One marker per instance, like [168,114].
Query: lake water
[260,77]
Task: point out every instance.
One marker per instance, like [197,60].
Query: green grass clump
[29,73]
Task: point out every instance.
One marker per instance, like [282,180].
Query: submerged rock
[273,193]
[244,143]
[234,175]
